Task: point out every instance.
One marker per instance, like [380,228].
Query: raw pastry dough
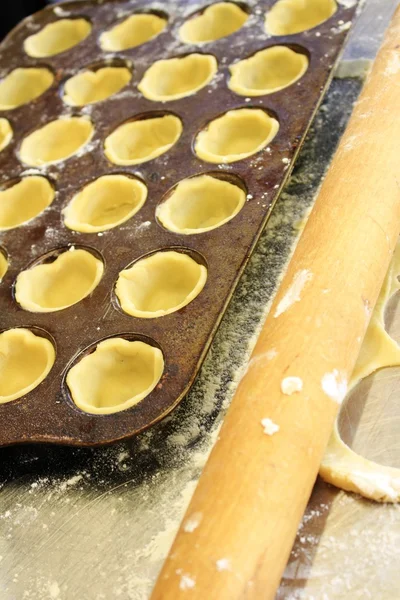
[267,71]
[341,466]
[200,204]
[24,200]
[56,141]
[116,376]
[3,265]
[217,21]
[236,135]
[72,276]
[57,37]
[160,284]
[142,140]
[178,77]
[23,85]
[94,86]
[293,16]
[6,133]
[132,32]
[105,203]
[25,360]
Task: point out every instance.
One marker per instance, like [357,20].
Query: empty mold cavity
[24,85]
[133,31]
[235,135]
[57,37]
[24,199]
[3,264]
[287,17]
[56,141]
[215,22]
[6,133]
[178,77]
[143,139]
[68,278]
[267,71]
[105,203]
[160,284]
[200,204]
[25,361]
[116,376]
[95,85]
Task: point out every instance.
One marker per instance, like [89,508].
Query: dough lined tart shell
[24,200]
[287,17]
[132,32]
[57,37]
[217,21]
[94,86]
[24,85]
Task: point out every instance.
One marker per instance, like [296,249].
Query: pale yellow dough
[200,204]
[178,77]
[116,376]
[236,135]
[160,284]
[3,265]
[54,286]
[24,200]
[93,86]
[267,71]
[57,37]
[132,32]
[25,360]
[56,141]
[139,141]
[341,466]
[217,21]
[6,133]
[105,203]
[24,85]
[287,17]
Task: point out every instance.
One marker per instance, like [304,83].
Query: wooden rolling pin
[238,531]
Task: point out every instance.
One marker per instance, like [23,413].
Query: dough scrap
[237,134]
[267,71]
[57,37]
[6,133]
[93,86]
[48,287]
[341,466]
[160,284]
[116,376]
[133,31]
[105,203]
[178,77]
[25,361]
[287,17]
[217,21]
[200,204]
[24,85]
[3,264]
[139,141]
[24,200]
[56,141]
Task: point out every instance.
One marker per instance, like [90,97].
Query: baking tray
[47,414]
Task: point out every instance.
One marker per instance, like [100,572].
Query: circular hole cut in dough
[24,85]
[178,77]
[6,133]
[143,139]
[267,71]
[57,37]
[24,199]
[215,22]
[56,141]
[132,32]
[235,135]
[200,204]
[26,360]
[160,284]
[49,287]
[116,376]
[105,203]
[3,264]
[95,85]
[287,17]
